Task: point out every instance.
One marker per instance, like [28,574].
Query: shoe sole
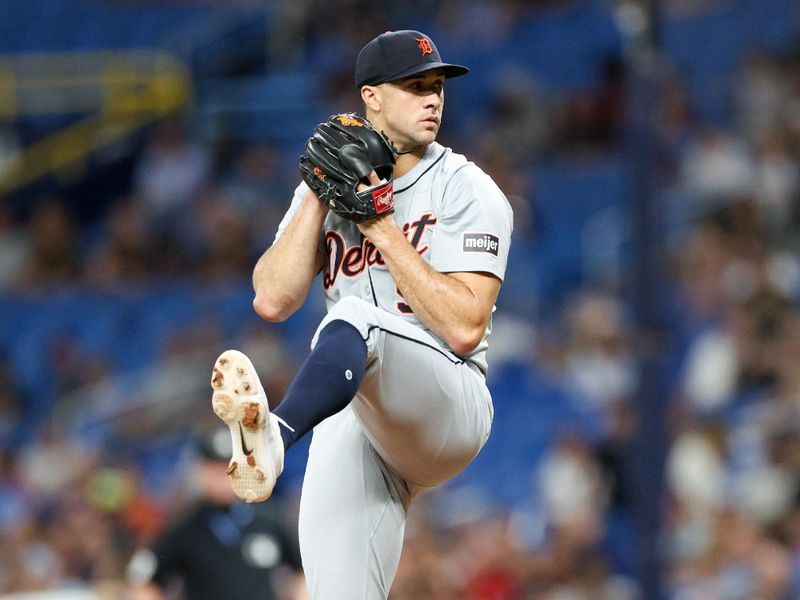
[240,401]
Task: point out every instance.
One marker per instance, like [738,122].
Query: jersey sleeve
[297,199]
[473,232]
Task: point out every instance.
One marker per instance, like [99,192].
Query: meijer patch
[480,242]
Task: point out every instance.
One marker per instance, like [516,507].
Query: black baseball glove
[340,154]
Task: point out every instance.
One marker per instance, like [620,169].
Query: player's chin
[427,135]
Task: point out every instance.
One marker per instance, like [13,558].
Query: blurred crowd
[73,513]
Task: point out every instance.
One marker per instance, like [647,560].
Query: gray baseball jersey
[451,212]
[421,413]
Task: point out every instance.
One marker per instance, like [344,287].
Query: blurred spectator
[523,127]
[128,251]
[258,186]
[221,548]
[570,482]
[615,455]
[717,166]
[600,364]
[15,248]
[224,232]
[54,255]
[15,499]
[741,563]
[55,536]
[54,464]
[170,171]
[256,180]
[12,407]
[592,121]
[761,94]
[777,185]
[696,470]
[83,539]
[700,261]
[10,153]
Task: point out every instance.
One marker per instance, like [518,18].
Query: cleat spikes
[251,414]
[223,407]
[257,449]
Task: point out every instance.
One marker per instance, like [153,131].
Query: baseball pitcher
[411,240]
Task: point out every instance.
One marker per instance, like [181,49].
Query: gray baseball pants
[420,416]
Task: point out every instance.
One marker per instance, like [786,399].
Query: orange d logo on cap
[425,46]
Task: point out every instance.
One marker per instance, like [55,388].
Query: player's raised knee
[353,310]
[351,307]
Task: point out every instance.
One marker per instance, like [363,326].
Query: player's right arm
[283,274]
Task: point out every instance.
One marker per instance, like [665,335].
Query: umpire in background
[221,548]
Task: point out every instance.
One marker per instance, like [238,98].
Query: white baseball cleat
[240,401]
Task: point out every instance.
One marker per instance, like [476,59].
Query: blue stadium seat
[281,106]
[230,304]
[771,25]
[706,50]
[566,46]
[567,197]
[531,412]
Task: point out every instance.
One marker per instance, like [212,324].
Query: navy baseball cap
[399,54]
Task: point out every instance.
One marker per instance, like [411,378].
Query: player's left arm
[455,306]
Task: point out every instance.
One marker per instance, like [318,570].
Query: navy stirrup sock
[327,381]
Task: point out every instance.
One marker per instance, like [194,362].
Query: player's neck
[406,161]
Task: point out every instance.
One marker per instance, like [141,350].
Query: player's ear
[371,97]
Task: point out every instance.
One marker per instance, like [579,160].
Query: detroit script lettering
[353,260]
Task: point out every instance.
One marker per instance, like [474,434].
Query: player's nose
[433,100]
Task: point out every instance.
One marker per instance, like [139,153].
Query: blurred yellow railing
[108,95]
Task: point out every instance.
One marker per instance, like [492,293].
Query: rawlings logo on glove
[383,198]
[340,155]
